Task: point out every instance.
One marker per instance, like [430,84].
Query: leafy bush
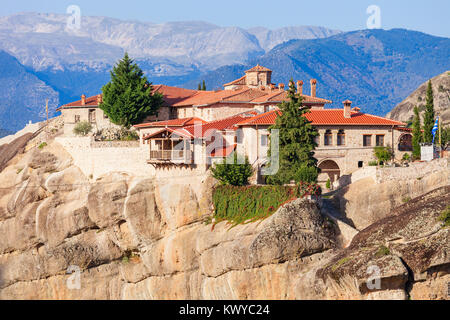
[445,216]
[383,154]
[234,174]
[406,157]
[42,145]
[382,251]
[250,203]
[328,185]
[306,174]
[373,163]
[82,128]
[116,133]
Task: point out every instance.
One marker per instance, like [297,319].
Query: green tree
[82,128]
[235,173]
[199,88]
[128,97]
[445,138]
[204,86]
[416,134]
[383,154]
[296,140]
[428,120]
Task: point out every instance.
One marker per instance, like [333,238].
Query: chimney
[300,87]
[347,108]
[313,87]
[272,87]
[83,99]
[99,99]
[281,86]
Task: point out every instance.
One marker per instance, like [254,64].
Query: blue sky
[430,16]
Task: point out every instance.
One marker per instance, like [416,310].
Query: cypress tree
[296,141]
[428,120]
[128,98]
[199,87]
[204,86]
[416,134]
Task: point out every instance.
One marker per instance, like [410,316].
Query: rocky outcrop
[67,236]
[408,252]
[404,111]
[367,201]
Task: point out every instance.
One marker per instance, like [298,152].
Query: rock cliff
[123,237]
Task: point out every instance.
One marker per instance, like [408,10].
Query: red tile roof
[258,68]
[173,95]
[240,81]
[205,130]
[325,117]
[90,102]
[171,123]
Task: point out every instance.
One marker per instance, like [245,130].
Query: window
[77,118]
[380,140]
[360,164]
[341,138]
[405,143]
[239,138]
[367,140]
[328,138]
[92,116]
[264,140]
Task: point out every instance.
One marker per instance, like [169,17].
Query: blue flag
[435,128]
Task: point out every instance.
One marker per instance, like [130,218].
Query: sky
[429,16]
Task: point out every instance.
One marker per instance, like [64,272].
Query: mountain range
[43,59]
[375,69]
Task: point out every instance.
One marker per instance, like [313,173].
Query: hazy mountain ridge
[376,69]
[22,95]
[73,62]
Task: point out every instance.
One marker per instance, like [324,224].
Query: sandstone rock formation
[123,237]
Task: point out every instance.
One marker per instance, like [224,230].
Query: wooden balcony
[170,156]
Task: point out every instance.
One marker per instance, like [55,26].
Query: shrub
[445,216]
[328,185]
[129,135]
[406,157]
[250,203]
[42,145]
[382,251]
[235,174]
[373,163]
[383,154]
[82,128]
[306,174]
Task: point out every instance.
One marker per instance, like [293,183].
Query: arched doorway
[405,142]
[329,170]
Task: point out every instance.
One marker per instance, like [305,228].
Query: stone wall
[98,158]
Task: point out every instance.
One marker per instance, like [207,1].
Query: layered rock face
[65,236]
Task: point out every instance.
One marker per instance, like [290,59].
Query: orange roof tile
[258,68]
[172,95]
[240,81]
[171,123]
[325,117]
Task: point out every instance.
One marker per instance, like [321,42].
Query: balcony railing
[183,156]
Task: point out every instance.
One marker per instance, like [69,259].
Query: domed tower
[258,76]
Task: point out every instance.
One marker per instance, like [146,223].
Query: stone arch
[405,142]
[329,169]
